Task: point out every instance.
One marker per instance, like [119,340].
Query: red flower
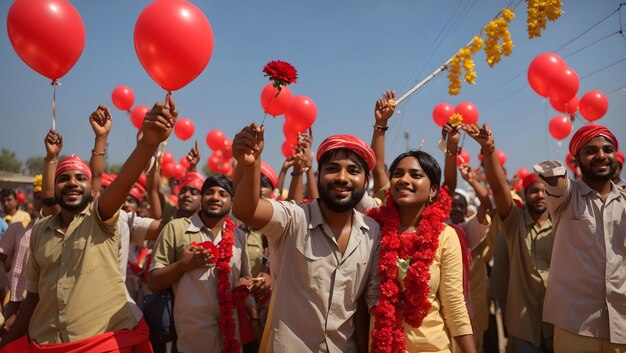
[281,73]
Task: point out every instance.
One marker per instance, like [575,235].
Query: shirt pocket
[312,265]
[85,256]
[586,226]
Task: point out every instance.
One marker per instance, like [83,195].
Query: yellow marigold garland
[496,31]
[463,57]
[539,12]
[37,183]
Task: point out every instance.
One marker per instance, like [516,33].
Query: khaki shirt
[196,307]
[77,276]
[317,287]
[530,250]
[254,250]
[448,312]
[587,289]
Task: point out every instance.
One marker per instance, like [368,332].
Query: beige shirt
[317,287]
[530,250]
[587,289]
[196,307]
[448,315]
[19,216]
[77,276]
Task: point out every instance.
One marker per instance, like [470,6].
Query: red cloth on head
[107,179]
[73,162]
[620,157]
[137,191]
[193,179]
[269,172]
[351,143]
[135,341]
[586,134]
[529,179]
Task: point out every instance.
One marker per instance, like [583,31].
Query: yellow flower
[456,119]
[37,183]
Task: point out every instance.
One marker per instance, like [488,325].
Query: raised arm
[157,127]
[54,144]
[450,134]
[485,203]
[382,112]
[493,169]
[101,122]
[193,157]
[296,190]
[287,164]
[247,205]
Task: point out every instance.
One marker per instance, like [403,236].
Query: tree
[112,168]
[34,165]
[8,162]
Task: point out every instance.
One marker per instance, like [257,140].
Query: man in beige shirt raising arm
[325,253]
[586,294]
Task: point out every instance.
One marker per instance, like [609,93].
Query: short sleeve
[164,251]
[109,225]
[7,242]
[32,267]
[138,228]
[512,221]
[285,216]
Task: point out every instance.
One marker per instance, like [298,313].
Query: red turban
[620,157]
[586,134]
[193,179]
[529,179]
[351,143]
[73,162]
[137,191]
[269,172]
[107,179]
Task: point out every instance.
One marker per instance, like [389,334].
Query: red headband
[529,179]
[586,134]
[137,191]
[351,143]
[620,157]
[269,172]
[107,179]
[193,179]
[73,162]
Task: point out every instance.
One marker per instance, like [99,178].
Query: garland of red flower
[411,304]
[228,299]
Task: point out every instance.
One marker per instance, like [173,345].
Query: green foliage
[8,162]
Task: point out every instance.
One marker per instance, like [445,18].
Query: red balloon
[522,173]
[501,157]
[291,130]
[137,115]
[560,126]
[463,157]
[593,105]
[215,159]
[174,42]
[288,149]
[184,162]
[168,169]
[563,84]
[442,112]
[540,70]
[168,158]
[178,171]
[273,102]
[480,157]
[184,128]
[225,168]
[302,112]
[567,107]
[123,97]
[468,111]
[215,139]
[227,151]
[20,197]
[569,160]
[49,36]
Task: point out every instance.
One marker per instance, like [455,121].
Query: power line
[604,68]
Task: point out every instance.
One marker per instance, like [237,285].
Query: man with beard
[529,235]
[325,252]
[76,299]
[191,270]
[586,296]
[617,179]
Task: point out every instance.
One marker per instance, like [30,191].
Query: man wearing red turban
[325,252]
[586,296]
[617,179]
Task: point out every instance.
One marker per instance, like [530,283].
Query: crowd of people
[406,262]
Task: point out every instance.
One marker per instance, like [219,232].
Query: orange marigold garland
[418,248]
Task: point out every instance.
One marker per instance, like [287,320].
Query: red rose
[281,73]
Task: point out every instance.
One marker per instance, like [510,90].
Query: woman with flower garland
[421,303]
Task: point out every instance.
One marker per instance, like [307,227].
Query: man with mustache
[76,297]
[325,252]
[586,295]
[529,234]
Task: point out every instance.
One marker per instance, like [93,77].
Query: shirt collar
[530,222]
[196,224]
[585,190]
[317,218]
[55,220]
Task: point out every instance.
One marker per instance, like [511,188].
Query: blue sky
[346,53]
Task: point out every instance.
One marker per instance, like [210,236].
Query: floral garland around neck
[410,251]
[227,299]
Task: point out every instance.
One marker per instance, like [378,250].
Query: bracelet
[52,161]
[50,201]
[451,154]
[488,151]
[296,173]
[99,153]
[381,128]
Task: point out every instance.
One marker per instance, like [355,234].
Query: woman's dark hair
[427,162]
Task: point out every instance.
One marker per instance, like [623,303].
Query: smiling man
[325,252]
[529,236]
[586,295]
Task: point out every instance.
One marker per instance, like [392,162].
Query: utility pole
[406,139]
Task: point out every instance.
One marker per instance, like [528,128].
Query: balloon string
[54,103]
[167,97]
[270,105]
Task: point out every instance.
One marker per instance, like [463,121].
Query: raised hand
[467,173]
[159,122]
[248,144]
[451,134]
[101,121]
[385,107]
[54,144]
[193,157]
[482,135]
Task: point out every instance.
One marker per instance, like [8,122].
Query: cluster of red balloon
[467,110]
[171,169]
[300,113]
[220,160]
[550,77]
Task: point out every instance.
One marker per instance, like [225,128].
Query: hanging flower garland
[405,256]
[496,31]
[463,57]
[539,12]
